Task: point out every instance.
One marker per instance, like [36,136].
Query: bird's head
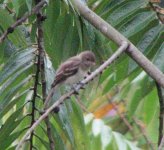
[88,59]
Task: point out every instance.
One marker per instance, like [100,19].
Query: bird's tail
[50,95]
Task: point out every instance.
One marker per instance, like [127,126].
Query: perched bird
[72,71]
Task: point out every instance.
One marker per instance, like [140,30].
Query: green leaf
[10,80]
[29,5]
[79,130]
[15,62]
[10,139]
[16,5]
[158,59]
[11,93]
[124,10]
[59,144]
[65,124]
[46,144]
[10,125]
[10,105]
[16,37]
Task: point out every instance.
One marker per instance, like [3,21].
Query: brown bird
[73,70]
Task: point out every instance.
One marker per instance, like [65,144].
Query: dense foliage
[124,92]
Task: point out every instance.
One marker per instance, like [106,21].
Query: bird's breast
[76,78]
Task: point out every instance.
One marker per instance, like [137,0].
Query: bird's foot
[81,84]
[74,87]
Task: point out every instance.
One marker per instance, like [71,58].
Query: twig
[161,114]
[41,50]
[121,115]
[81,104]
[85,81]
[117,37]
[22,19]
[143,132]
[33,100]
[8,9]
[159,11]
[123,118]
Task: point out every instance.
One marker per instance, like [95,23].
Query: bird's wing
[66,70]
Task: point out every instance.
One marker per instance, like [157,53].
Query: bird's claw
[81,84]
[76,92]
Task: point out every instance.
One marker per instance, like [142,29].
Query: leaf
[158,59]
[9,126]
[59,143]
[124,10]
[10,80]
[102,137]
[77,121]
[10,105]
[15,62]
[16,37]
[10,139]
[46,144]
[16,5]
[29,5]
[11,93]
[61,38]
[65,124]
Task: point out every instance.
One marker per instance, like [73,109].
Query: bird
[73,70]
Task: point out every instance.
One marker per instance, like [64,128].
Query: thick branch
[22,19]
[72,92]
[161,113]
[42,72]
[115,36]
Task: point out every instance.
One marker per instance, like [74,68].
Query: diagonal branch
[111,33]
[85,81]
[22,19]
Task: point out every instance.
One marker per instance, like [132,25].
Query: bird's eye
[87,59]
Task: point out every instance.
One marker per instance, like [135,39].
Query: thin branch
[81,104]
[121,115]
[161,114]
[22,19]
[112,34]
[41,50]
[159,11]
[33,100]
[123,118]
[85,81]
[8,9]
[143,132]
